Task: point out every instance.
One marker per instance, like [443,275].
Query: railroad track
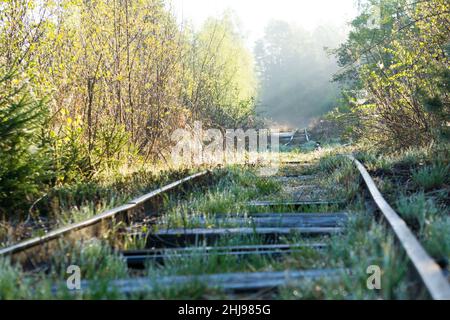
[308,224]
[294,138]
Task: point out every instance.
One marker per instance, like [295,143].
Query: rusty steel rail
[429,271]
[35,251]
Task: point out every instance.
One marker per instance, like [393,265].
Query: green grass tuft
[417,210]
[431,177]
[12,282]
[331,162]
[437,239]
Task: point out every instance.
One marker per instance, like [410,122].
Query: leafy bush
[77,157]
[398,96]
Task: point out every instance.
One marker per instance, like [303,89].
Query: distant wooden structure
[294,138]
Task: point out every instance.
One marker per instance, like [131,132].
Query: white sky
[255,14]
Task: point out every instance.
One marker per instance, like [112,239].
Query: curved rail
[429,271]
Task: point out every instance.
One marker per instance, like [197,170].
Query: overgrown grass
[194,290]
[431,177]
[73,203]
[95,258]
[98,265]
[200,263]
[230,196]
[12,283]
[437,240]
[416,182]
[364,243]
[417,210]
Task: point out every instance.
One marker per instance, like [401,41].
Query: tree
[22,160]
[401,69]
[222,83]
[294,72]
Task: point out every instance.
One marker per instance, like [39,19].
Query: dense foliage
[21,158]
[118,77]
[396,74]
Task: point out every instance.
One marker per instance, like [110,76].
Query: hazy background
[287,38]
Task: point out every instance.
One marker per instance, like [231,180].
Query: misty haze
[295,68]
[292,46]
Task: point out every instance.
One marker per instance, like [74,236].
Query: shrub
[22,166]
[77,157]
